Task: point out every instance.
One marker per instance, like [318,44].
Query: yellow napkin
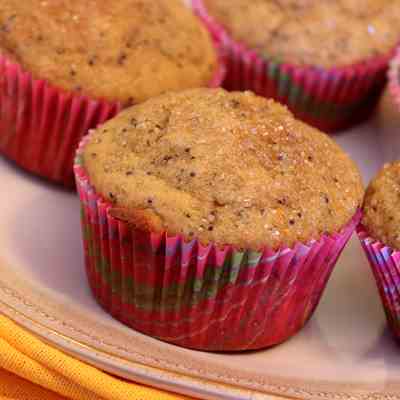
[32,370]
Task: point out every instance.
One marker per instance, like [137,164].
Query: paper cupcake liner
[41,125]
[385,265]
[394,78]
[329,99]
[202,297]
[388,116]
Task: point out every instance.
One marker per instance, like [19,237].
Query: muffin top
[127,50]
[382,206]
[228,168]
[322,33]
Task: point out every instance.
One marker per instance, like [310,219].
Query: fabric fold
[48,374]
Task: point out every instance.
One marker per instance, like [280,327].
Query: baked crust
[229,168]
[126,50]
[325,33]
[381,206]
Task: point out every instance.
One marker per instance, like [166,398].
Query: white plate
[344,352]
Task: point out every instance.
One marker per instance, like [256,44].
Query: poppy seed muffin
[228,168]
[324,33]
[381,206]
[128,51]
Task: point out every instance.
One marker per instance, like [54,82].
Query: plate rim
[106,361]
[158,376]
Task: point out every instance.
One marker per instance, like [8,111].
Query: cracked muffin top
[229,168]
[127,50]
[323,33]
[382,206]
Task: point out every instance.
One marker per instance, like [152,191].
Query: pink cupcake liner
[329,99]
[385,265]
[394,78]
[203,297]
[388,116]
[41,125]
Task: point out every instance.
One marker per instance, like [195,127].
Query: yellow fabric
[15,387]
[31,369]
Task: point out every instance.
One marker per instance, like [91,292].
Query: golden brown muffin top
[382,206]
[323,33]
[126,50]
[230,168]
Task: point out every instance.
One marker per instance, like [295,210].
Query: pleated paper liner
[385,265]
[388,116]
[196,296]
[330,99]
[41,125]
[394,78]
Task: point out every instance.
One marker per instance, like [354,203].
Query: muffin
[67,66]
[325,59]
[380,237]
[213,220]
